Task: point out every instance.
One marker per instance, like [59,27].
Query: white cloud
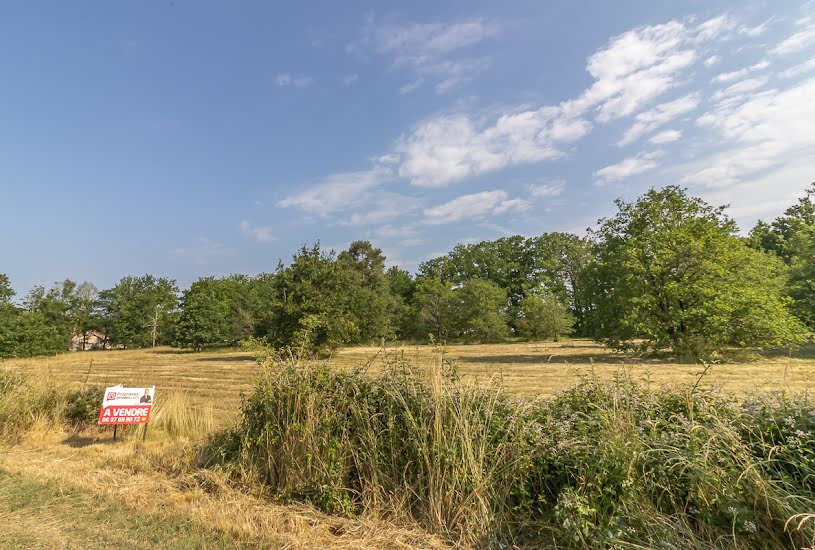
[768,130]
[382,207]
[799,69]
[747,85]
[758,30]
[735,75]
[338,192]
[474,206]
[712,60]
[636,67]
[517,205]
[262,234]
[429,50]
[411,86]
[628,167]
[797,42]
[285,79]
[714,27]
[667,136]
[449,148]
[350,79]
[649,121]
[630,71]
[553,189]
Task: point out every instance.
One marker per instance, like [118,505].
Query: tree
[34,335]
[433,302]
[204,320]
[139,311]
[544,316]
[479,311]
[673,274]
[553,262]
[8,314]
[779,237]
[404,318]
[313,303]
[26,333]
[802,274]
[371,301]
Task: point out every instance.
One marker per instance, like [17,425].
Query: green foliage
[606,464]
[802,274]
[404,317]
[779,236]
[32,334]
[434,304]
[139,311]
[671,273]
[82,406]
[204,320]
[313,303]
[555,262]
[479,311]
[371,302]
[543,316]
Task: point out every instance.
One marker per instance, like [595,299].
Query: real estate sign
[122,405]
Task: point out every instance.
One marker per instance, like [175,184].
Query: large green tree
[479,311]
[433,300]
[371,299]
[779,236]
[672,273]
[204,320]
[802,274]
[313,302]
[29,332]
[139,311]
[544,316]
[555,263]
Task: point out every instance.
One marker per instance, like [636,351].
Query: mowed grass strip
[60,490]
[35,514]
[530,369]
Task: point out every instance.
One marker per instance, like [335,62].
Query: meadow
[526,369]
[74,487]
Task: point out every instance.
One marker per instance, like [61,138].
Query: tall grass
[27,402]
[174,415]
[604,464]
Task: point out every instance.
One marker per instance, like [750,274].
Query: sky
[194,138]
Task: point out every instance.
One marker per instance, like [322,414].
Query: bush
[601,465]
[82,406]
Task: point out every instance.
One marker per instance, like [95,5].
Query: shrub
[603,464]
[82,406]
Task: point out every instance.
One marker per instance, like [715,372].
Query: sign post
[125,406]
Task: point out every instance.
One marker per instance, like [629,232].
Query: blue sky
[205,138]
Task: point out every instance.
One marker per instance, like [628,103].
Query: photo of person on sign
[146,397]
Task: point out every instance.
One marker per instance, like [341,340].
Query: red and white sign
[122,405]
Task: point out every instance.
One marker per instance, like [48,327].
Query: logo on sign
[112,396]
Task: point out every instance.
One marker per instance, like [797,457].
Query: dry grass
[63,490]
[217,378]
[85,492]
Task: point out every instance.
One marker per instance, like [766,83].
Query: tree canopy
[672,273]
[665,272]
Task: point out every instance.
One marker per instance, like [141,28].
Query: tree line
[666,271]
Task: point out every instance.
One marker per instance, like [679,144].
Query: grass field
[526,369]
[59,489]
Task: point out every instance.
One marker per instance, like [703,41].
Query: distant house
[88,341]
